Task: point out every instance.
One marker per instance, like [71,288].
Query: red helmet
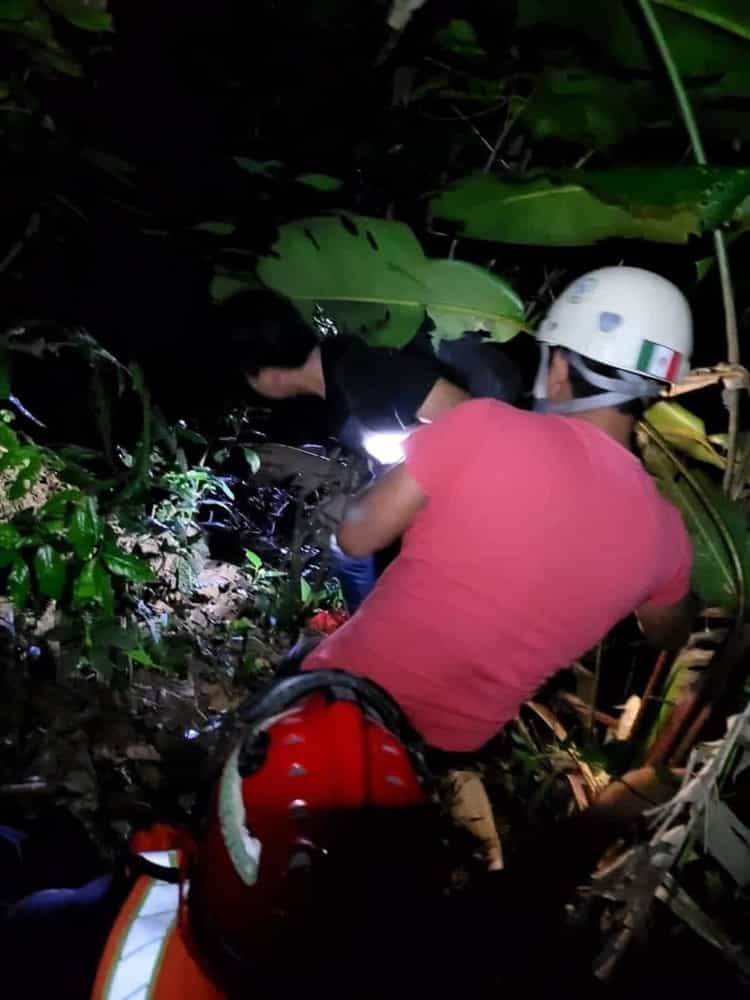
[323,797]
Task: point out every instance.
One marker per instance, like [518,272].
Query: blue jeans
[356,576]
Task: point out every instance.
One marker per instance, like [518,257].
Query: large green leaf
[576,208]
[711,519]
[373,278]
[126,565]
[92,586]
[694,31]
[50,570]
[701,197]
[90,16]
[732,15]
[684,431]
[84,527]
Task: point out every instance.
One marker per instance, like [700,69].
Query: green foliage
[578,106]
[574,208]
[187,490]
[71,550]
[321,182]
[717,525]
[693,30]
[124,564]
[29,30]
[84,527]
[459,38]
[90,15]
[21,459]
[685,432]
[374,280]
[50,571]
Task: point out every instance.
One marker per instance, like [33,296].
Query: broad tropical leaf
[706,38]
[684,431]
[711,518]
[373,278]
[731,15]
[92,586]
[84,527]
[126,565]
[91,16]
[576,208]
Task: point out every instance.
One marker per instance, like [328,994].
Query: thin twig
[595,692]
[31,228]
[733,355]
[510,121]
[699,153]
[472,126]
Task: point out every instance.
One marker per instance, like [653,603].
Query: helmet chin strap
[626,387]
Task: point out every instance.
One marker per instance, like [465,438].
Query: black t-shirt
[383,389]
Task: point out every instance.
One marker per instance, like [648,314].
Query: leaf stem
[730,314]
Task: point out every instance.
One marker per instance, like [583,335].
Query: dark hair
[263,330]
[581,388]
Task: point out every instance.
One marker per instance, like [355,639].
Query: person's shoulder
[477,418]
[485,412]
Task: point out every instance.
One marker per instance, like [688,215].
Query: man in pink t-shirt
[525,536]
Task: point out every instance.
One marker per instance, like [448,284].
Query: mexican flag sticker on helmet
[658,361]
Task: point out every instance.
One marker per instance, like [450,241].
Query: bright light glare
[385,447]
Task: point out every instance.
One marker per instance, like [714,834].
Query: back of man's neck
[618,425]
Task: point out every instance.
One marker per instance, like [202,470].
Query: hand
[330,512]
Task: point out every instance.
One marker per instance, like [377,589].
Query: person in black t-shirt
[367,389]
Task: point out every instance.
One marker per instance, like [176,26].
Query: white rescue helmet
[625,317]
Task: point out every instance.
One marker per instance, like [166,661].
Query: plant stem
[730,314]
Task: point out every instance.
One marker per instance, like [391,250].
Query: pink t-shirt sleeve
[676,579]
[438,452]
